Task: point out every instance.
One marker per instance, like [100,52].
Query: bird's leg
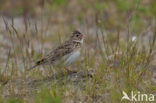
[70,71]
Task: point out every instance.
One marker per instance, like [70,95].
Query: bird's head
[77,36]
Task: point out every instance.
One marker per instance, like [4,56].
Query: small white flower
[133,38]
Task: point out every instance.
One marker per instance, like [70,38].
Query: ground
[119,53]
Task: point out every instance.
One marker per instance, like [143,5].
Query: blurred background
[107,14]
[119,48]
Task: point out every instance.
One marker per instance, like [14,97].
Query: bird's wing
[57,53]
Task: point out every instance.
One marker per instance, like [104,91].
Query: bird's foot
[71,71]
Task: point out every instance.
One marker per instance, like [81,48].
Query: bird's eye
[77,35]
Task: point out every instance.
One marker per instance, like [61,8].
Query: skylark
[66,53]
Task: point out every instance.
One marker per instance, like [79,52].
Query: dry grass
[118,54]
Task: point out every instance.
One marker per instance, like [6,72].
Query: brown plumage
[68,47]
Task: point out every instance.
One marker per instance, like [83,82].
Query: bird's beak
[84,35]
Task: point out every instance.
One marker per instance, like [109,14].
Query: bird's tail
[42,61]
[33,67]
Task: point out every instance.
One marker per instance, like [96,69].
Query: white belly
[72,57]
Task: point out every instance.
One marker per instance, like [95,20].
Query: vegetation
[119,53]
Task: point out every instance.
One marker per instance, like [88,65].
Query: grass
[111,61]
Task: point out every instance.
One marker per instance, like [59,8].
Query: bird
[65,54]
